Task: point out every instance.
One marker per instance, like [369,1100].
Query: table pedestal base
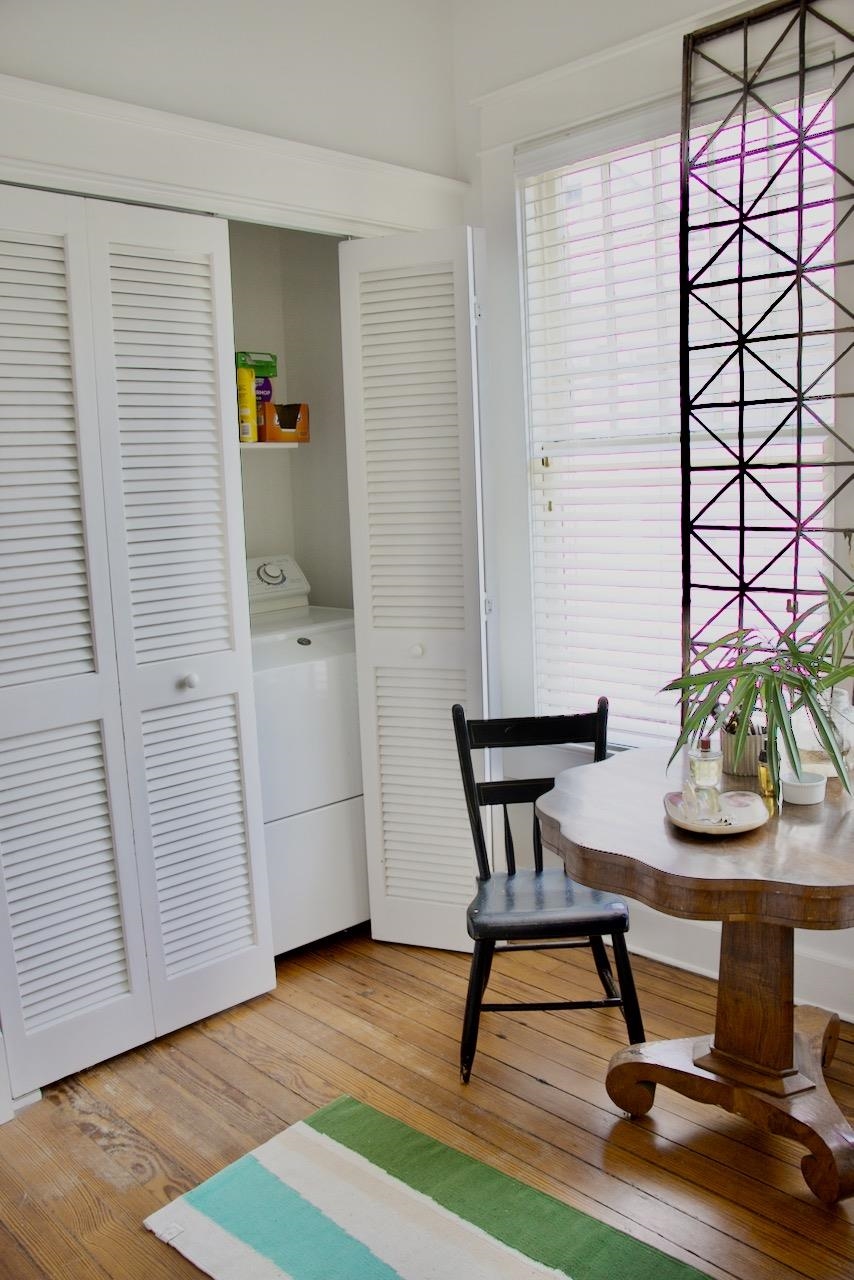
[796,1103]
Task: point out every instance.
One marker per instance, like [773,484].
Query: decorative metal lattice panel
[767,297]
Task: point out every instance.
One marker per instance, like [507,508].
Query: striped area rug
[351,1194]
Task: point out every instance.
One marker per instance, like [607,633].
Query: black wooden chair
[536,909]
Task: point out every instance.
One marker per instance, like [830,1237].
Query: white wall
[324,73]
[500,43]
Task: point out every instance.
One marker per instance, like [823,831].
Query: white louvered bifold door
[410,397]
[73,985]
[167,401]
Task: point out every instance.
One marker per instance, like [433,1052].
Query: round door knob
[189,681]
[417,651]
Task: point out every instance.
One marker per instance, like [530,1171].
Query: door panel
[412,453]
[169,441]
[75,998]
[73,985]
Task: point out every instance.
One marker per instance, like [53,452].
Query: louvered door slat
[92,971]
[225,803]
[65,1003]
[398,492]
[42,901]
[416,712]
[39,781]
[411,448]
[41,352]
[220,819]
[184,850]
[173,293]
[196,842]
[54,856]
[61,868]
[34,292]
[38,959]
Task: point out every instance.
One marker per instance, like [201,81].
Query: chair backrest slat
[513,790]
[509,849]
[537,840]
[538,731]
[518,731]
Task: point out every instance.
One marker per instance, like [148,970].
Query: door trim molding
[63,140]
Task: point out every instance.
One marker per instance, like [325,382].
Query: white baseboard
[9,1106]
[824,960]
[7,1111]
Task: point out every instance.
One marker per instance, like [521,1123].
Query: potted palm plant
[742,675]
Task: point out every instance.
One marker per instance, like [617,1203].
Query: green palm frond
[740,675]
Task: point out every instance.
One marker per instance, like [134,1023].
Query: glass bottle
[766,788]
[814,757]
[705,765]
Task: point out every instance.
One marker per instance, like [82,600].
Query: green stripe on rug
[536,1224]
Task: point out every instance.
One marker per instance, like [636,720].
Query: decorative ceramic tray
[740,811]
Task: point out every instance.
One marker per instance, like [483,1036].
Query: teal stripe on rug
[274,1220]
[536,1224]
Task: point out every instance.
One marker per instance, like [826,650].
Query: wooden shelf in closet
[247,446]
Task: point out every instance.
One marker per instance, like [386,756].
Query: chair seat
[542,904]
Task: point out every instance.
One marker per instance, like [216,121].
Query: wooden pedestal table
[765,1059]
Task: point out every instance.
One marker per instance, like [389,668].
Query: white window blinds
[601,298]
[602,309]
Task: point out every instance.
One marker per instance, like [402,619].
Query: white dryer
[304,664]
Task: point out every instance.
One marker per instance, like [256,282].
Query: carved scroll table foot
[794,1103]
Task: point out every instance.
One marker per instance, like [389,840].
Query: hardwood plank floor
[81,1169]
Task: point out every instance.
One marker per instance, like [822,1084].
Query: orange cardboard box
[268,422]
[293,422]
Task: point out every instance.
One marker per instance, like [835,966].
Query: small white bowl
[808,789]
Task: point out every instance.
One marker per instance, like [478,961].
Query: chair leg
[481,963]
[603,967]
[628,994]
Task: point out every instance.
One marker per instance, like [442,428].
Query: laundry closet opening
[285,291]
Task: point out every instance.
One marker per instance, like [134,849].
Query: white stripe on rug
[411,1233]
[208,1246]
[351,1204]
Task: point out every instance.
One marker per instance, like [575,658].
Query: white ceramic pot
[748,761]
[809,788]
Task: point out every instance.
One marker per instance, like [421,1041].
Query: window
[601,288]
[601,299]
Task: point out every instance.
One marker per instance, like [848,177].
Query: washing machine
[304,663]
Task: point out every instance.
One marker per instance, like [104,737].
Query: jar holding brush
[745,765]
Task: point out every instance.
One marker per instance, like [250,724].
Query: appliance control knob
[417,651]
[272,574]
[189,681]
